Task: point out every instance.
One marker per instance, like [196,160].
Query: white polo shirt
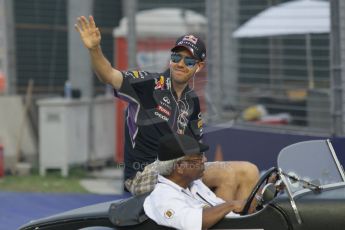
[171,205]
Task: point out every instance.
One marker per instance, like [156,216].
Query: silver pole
[337,73]
[309,57]
[79,65]
[229,22]
[7,46]
[130,9]
[214,52]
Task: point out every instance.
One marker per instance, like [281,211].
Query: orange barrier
[2,82]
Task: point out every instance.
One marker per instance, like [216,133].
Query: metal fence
[41,29]
[282,66]
[280,80]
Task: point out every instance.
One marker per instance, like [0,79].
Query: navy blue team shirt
[152,112]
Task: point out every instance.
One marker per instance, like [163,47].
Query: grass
[52,182]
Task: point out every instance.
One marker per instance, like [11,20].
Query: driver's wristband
[259,202]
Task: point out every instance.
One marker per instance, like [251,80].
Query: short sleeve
[173,212]
[134,83]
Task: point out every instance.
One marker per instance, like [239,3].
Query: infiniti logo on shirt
[166,100]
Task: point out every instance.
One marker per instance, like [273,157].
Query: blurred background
[274,76]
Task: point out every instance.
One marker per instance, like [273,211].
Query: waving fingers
[84,23]
[78,26]
[92,22]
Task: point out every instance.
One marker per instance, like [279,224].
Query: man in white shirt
[180,199]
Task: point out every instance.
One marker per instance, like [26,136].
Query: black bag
[129,211]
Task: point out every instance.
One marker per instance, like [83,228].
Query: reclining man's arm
[91,37]
[211,215]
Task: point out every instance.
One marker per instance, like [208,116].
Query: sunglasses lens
[176,58]
[190,62]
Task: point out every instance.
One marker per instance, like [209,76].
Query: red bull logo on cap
[190,38]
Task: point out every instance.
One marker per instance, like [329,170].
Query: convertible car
[308,192]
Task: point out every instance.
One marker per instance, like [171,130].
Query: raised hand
[88,31]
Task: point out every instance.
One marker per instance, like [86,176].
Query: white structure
[63,133]
[164,22]
[295,17]
[64,128]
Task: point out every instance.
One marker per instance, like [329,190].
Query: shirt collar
[162,179]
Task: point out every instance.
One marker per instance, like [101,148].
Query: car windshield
[311,161]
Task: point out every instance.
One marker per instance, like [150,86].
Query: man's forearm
[103,69]
[211,215]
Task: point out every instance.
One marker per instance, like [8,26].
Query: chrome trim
[340,168]
[292,201]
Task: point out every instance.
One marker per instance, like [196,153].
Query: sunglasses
[188,61]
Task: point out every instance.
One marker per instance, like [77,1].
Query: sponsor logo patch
[168,83]
[165,105]
[199,123]
[135,74]
[161,116]
[190,38]
[163,110]
[169,213]
[160,83]
[166,100]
